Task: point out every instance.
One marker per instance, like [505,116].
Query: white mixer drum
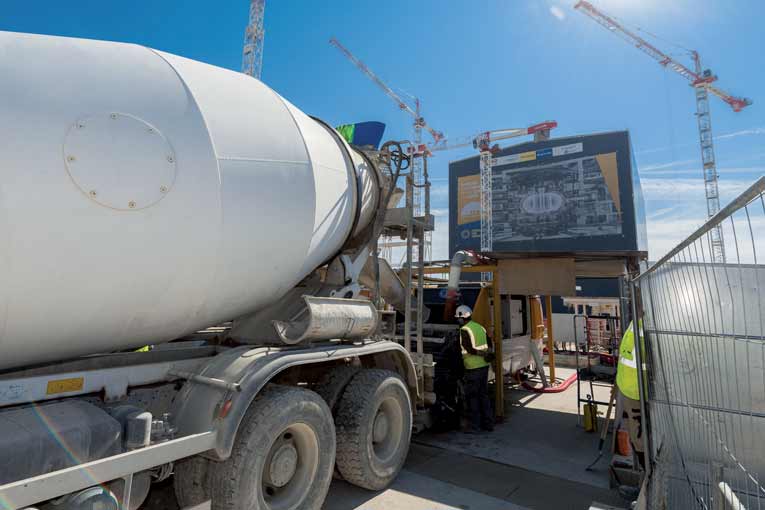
[144,196]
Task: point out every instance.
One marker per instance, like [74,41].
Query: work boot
[628,492]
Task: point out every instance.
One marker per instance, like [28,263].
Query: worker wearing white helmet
[476,356]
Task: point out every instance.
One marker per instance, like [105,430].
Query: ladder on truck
[405,223]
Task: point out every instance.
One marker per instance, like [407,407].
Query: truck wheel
[190,481]
[330,387]
[283,454]
[374,426]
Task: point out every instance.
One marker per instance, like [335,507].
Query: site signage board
[574,194]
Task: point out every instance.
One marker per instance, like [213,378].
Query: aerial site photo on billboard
[568,194]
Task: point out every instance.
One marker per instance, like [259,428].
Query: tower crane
[419,125]
[702,82]
[252,53]
[483,142]
[419,121]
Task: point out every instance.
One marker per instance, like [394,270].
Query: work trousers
[477,397]
[632,416]
[634,422]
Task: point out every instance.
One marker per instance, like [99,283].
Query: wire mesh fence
[704,328]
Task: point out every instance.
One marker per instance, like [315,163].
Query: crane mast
[701,81]
[252,53]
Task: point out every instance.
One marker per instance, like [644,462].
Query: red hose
[552,389]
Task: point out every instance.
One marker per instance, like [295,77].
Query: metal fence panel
[704,327]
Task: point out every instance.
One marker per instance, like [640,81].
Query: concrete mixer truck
[145,197]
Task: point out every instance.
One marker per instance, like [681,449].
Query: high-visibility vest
[478,340]
[626,370]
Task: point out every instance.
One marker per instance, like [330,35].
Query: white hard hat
[463,312]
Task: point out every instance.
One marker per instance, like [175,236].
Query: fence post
[718,473]
[637,331]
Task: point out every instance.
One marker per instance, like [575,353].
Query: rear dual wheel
[285,448]
[282,457]
[374,426]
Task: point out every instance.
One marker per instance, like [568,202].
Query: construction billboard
[577,194]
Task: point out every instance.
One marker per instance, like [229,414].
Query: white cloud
[659,213]
[663,166]
[439,191]
[676,208]
[741,242]
[687,189]
[557,12]
[665,234]
[725,136]
[440,239]
[743,132]
[726,171]
[654,149]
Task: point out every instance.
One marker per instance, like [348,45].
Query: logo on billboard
[561,150]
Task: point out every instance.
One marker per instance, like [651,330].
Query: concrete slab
[540,433]
[513,484]
[412,491]
[420,454]
[470,472]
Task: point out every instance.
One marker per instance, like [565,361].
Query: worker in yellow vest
[476,357]
[629,389]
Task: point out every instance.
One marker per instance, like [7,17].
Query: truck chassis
[204,390]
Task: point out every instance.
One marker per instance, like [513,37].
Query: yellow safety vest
[626,370]
[478,340]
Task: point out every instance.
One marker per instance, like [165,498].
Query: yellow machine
[590,415]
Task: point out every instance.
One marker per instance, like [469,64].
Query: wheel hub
[381,426]
[283,465]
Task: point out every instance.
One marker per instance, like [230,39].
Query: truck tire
[330,387]
[190,481]
[374,426]
[282,457]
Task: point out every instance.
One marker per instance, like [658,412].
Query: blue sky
[483,64]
